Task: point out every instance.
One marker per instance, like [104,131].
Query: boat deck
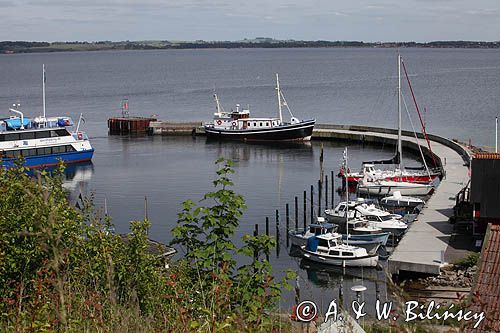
[425,246]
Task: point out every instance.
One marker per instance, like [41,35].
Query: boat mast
[43,89]
[346,199]
[279,98]
[217,103]
[400,145]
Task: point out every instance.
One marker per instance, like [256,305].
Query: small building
[485,190]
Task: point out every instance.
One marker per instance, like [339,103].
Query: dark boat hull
[295,132]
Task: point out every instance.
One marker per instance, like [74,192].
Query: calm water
[459,88]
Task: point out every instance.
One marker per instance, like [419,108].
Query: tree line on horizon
[29,47]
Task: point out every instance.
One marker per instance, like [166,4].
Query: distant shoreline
[11,47]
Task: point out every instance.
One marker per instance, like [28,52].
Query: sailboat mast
[400,144]
[43,89]
[279,98]
[346,199]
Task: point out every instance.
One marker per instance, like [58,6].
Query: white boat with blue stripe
[42,141]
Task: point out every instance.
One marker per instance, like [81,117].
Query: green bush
[62,269]
[468,261]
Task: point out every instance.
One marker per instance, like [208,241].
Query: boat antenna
[44,79]
[400,145]
[279,98]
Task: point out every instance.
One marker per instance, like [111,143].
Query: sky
[362,20]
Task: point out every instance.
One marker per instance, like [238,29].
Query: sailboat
[370,184]
[238,125]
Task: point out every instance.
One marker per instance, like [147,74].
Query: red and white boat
[369,170]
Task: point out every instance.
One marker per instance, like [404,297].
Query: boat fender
[234,123]
[219,122]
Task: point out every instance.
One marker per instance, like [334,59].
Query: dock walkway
[424,247]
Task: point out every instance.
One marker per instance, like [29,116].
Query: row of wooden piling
[327,203]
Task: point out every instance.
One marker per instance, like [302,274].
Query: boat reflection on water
[238,151]
[77,176]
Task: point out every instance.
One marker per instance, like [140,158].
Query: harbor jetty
[425,247]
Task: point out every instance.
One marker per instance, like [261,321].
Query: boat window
[334,253]
[260,124]
[348,254]
[27,135]
[323,242]
[43,151]
[69,148]
[372,218]
[267,123]
[11,137]
[42,134]
[59,132]
[254,124]
[341,208]
[28,152]
[58,149]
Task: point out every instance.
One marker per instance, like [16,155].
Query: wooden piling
[267,234]
[296,213]
[287,213]
[312,205]
[333,190]
[319,197]
[305,210]
[326,191]
[277,233]
[256,233]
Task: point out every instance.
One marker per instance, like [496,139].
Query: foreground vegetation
[62,269]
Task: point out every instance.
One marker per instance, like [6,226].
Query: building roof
[486,291]
[487,156]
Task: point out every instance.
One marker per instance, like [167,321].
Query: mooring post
[256,233]
[305,210]
[277,233]
[312,204]
[287,212]
[333,190]
[326,191]
[267,234]
[296,213]
[319,197]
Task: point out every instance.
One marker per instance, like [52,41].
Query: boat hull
[366,261]
[296,132]
[382,190]
[417,179]
[380,238]
[52,159]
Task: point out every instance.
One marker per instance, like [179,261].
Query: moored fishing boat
[238,125]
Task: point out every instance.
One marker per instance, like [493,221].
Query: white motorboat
[329,249]
[397,200]
[360,207]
